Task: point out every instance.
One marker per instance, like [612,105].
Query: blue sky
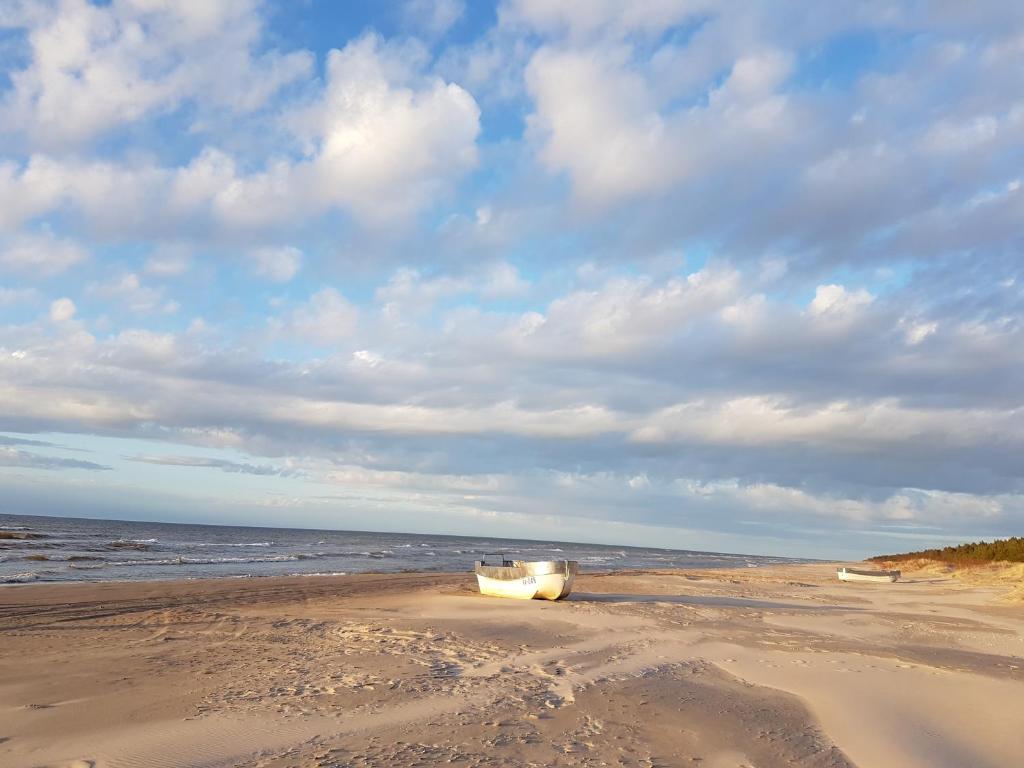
[702,275]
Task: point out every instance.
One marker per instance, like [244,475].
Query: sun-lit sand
[781,666]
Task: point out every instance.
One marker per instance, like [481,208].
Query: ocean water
[72,549]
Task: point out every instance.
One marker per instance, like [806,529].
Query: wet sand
[780,666]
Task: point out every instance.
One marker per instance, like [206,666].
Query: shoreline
[773,666]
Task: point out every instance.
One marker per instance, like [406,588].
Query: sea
[51,549]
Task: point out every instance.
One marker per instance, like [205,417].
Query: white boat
[545,579]
[854,574]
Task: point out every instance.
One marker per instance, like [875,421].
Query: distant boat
[853,574]
[545,579]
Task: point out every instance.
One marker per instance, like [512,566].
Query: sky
[708,275]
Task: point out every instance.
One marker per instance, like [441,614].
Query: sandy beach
[779,666]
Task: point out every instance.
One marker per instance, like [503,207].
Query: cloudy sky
[697,274]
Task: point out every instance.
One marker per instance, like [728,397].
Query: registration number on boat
[529,580]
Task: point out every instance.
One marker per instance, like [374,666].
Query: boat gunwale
[523,568]
[860,575]
[864,572]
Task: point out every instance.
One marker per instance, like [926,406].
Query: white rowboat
[545,579]
[853,574]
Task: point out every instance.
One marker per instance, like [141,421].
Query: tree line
[1008,550]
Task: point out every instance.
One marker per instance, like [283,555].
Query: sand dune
[754,667]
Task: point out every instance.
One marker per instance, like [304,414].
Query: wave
[20,578]
[27,576]
[215,560]
[141,545]
[23,544]
[234,544]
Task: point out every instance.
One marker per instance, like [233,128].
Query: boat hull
[849,574]
[546,580]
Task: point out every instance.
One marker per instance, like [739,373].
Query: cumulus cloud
[168,261]
[62,310]
[385,138]
[599,119]
[40,254]
[278,265]
[834,301]
[326,318]
[751,271]
[129,292]
[94,68]
[629,315]
[432,18]
[381,142]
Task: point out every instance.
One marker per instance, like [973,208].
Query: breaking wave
[234,544]
[142,545]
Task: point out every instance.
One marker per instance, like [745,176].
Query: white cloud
[11,296]
[27,191]
[386,139]
[277,264]
[40,254]
[918,332]
[95,68]
[628,316]
[382,142]
[169,261]
[841,425]
[599,118]
[409,292]
[908,505]
[128,290]
[834,301]
[619,387]
[326,318]
[586,18]
[432,18]
[62,310]
[502,281]
[598,122]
